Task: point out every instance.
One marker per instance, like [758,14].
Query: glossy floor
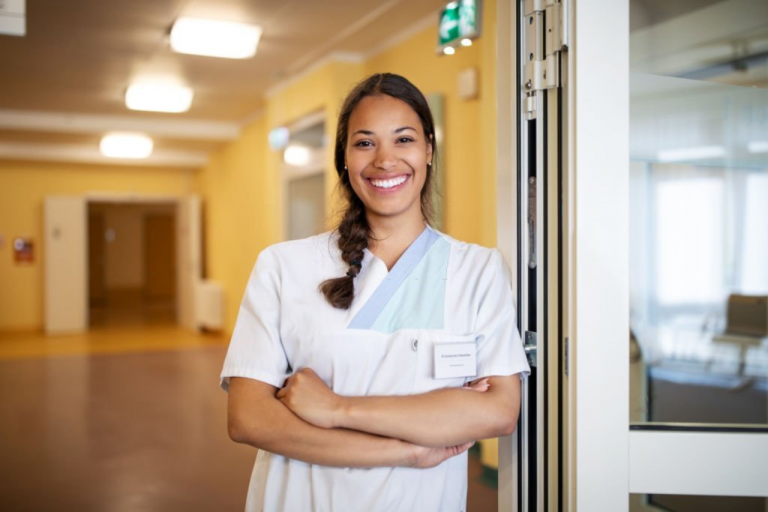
[128,419]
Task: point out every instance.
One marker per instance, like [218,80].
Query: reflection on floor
[130,307]
[128,419]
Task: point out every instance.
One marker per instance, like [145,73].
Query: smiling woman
[363,392]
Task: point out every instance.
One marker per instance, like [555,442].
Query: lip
[388,177]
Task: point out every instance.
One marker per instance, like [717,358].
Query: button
[415,345]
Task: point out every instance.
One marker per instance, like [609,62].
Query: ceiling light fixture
[214,38]
[695,153]
[466,42]
[449,50]
[126,145]
[158,98]
[298,156]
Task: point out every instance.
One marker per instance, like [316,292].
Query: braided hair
[354,231]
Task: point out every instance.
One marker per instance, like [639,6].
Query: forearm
[267,424]
[438,418]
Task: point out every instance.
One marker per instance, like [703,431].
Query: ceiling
[63,84]
[78,57]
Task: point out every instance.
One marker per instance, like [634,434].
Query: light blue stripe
[420,302]
[366,317]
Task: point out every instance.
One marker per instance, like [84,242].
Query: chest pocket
[424,346]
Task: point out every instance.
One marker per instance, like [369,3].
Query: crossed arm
[306,421]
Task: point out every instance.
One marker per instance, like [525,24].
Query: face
[386,157]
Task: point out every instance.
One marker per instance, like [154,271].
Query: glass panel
[675,503]
[699,211]
[306,206]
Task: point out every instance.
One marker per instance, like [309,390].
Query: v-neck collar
[414,251]
[367,314]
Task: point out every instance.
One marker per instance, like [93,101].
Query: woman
[355,392]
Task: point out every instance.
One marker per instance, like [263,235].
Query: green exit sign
[459,24]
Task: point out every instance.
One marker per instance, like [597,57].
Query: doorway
[131,265]
[304,178]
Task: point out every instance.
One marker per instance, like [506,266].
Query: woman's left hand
[309,398]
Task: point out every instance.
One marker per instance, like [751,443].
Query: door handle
[530,347]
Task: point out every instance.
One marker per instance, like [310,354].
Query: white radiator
[209,306]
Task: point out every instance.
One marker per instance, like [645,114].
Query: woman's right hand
[429,457]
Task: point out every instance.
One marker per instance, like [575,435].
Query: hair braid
[353,239]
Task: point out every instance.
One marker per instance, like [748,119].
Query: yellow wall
[240,212]
[23,187]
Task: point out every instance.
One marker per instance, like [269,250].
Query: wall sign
[23,250]
[459,20]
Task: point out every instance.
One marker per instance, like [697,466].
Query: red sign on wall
[23,250]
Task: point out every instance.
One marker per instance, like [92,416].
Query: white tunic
[440,290]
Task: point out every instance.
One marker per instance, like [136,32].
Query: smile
[390,183]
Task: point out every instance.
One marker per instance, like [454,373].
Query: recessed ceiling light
[466,42]
[449,50]
[214,38]
[158,98]
[126,145]
[695,153]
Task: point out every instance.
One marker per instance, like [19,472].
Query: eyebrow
[368,132]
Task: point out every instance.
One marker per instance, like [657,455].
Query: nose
[385,158]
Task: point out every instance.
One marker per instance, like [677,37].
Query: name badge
[455,360]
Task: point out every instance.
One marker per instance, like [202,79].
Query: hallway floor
[125,420]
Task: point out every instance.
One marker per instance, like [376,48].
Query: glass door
[699,256]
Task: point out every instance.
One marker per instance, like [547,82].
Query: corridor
[126,419]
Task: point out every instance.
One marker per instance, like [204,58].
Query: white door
[66,265]
[667,164]
[189,257]
[661,228]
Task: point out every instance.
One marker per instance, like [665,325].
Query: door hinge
[543,27]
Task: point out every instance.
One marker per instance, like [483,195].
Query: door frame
[598,254]
[188,255]
[595,246]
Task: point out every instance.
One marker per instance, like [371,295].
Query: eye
[404,140]
[363,144]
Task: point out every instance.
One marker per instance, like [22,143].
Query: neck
[393,235]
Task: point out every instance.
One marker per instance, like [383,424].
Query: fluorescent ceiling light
[126,145]
[215,38]
[758,146]
[695,153]
[449,50]
[158,98]
[297,155]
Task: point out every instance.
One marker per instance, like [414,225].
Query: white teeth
[389,183]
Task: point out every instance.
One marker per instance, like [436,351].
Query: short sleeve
[256,351]
[499,347]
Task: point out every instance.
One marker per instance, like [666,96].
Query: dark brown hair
[353,229]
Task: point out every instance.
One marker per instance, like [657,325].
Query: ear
[430,144]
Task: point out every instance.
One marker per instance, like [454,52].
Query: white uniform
[440,290]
